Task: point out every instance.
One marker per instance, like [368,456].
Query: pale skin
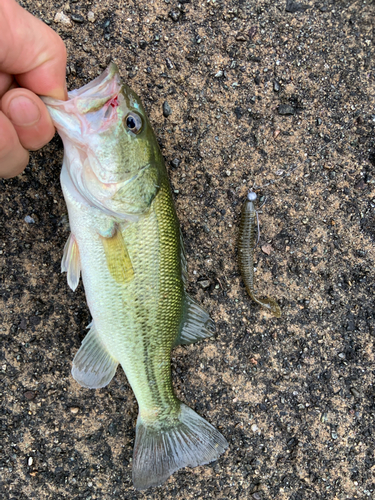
[32,63]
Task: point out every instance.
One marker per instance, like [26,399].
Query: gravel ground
[272,93]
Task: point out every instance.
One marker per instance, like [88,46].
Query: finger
[29,117]
[5,83]
[13,157]
[31,51]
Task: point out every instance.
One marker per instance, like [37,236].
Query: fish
[126,244]
[247,242]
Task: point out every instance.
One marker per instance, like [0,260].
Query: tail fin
[160,450]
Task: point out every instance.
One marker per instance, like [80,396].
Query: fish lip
[109,77]
[100,82]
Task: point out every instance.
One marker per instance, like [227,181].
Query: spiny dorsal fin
[118,259]
[93,366]
[196,323]
[71,263]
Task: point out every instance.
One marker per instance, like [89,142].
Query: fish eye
[133,122]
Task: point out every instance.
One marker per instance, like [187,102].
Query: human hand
[32,61]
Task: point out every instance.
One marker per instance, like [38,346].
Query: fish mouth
[89,98]
[99,84]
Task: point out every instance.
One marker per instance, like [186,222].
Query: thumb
[31,51]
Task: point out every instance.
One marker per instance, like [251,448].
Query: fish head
[105,127]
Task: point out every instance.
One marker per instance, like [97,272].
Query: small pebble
[77,18]
[276,86]
[355,393]
[219,74]
[204,283]
[29,219]
[286,109]
[254,428]
[142,44]
[318,122]
[168,63]
[241,38]
[30,395]
[334,435]
[30,461]
[74,410]
[167,111]
[175,15]
[61,18]
[293,7]
[91,16]
[175,163]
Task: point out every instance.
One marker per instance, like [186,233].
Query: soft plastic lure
[247,241]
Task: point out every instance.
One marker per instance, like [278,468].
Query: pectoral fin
[93,366]
[196,323]
[71,263]
[118,259]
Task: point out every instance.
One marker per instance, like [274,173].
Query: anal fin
[117,257]
[71,263]
[196,323]
[93,366]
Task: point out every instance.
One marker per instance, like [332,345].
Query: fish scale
[126,243]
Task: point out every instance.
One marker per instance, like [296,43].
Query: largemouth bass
[126,244]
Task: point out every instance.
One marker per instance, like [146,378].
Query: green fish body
[126,244]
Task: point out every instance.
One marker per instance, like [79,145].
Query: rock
[167,111]
[355,393]
[238,111]
[77,18]
[61,18]
[29,219]
[142,44]
[294,7]
[91,16]
[318,122]
[174,15]
[276,86]
[219,74]
[35,320]
[30,395]
[175,163]
[168,63]
[267,249]
[241,38]
[204,284]
[286,109]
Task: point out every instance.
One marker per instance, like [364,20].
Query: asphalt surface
[272,94]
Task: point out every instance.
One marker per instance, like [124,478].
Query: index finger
[31,51]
